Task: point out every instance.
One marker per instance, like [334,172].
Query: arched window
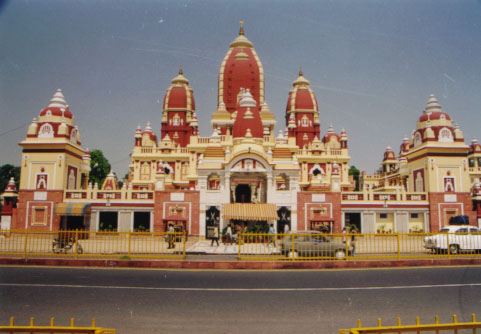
[418,140]
[45,131]
[445,135]
[73,136]
[305,121]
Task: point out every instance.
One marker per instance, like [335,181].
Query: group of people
[231,234]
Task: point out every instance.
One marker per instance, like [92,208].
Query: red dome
[56,111]
[301,96]
[433,116]
[304,100]
[179,95]
[177,98]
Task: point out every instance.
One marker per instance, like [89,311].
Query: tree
[6,172]
[355,173]
[99,167]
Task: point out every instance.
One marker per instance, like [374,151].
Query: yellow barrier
[81,244]
[32,328]
[453,327]
[312,245]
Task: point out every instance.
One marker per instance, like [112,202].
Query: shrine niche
[418,176]
[41,182]
[72,177]
[145,171]
[282,182]
[449,183]
[213,182]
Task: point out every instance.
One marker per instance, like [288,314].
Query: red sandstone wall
[26,199]
[438,208]
[190,206]
[332,204]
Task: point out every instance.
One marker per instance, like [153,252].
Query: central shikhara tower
[243,161]
[244,173]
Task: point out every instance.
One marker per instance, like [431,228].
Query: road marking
[398,287]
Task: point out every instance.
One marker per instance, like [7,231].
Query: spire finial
[180,70]
[300,71]
[241,32]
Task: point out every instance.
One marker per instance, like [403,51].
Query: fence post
[130,234]
[184,239]
[239,247]
[25,244]
[398,247]
[76,244]
[447,245]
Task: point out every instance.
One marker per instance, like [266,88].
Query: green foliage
[6,172]
[99,167]
[355,173]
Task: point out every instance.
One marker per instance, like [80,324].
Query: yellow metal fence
[81,244]
[297,246]
[318,246]
[51,328]
[436,327]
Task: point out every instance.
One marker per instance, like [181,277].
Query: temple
[246,173]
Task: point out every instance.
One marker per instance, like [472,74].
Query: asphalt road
[183,301]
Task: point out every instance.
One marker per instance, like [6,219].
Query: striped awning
[72,209]
[248,211]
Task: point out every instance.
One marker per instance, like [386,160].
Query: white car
[455,238]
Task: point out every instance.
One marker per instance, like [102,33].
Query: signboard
[178,197]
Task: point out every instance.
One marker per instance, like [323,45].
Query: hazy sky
[371,64]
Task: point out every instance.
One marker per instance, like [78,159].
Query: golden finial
[180,70]
[300,71]
[241,32]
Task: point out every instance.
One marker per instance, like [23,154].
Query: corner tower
[53,163]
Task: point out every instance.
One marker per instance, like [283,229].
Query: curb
[227,265]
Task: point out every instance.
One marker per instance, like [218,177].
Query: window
[471,162]
[414,215]
[39,215]
[383,215]
[45,131]
[445,135]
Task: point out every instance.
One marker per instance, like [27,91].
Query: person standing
[353,240]
[228,235]
[215,237]
[171,236]
[272,238]
[286,228]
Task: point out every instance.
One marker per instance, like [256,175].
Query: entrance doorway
[108,221]
[353,219]
[142,221]
[243,193]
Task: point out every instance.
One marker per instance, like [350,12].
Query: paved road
[170,301]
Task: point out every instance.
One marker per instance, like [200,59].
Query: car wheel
[453,249]
[292,255]
[340,254]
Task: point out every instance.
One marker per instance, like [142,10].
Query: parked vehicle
[312,244]
[459,220]
[455,239]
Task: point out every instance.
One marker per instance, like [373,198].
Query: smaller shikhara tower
[53,162]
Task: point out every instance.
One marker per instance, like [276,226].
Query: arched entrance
[243,193]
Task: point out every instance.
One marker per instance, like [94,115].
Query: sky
[372,64]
